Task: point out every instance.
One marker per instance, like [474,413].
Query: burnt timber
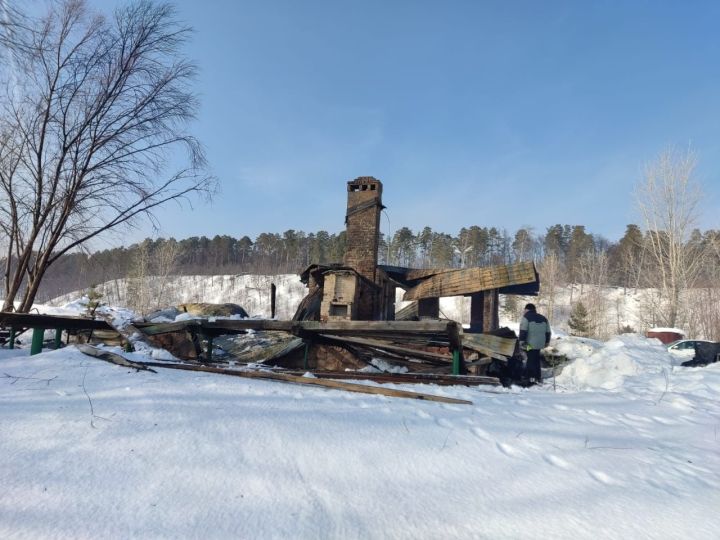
[31,320]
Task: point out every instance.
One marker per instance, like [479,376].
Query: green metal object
[12,337]
[456,362]
[305,357]
[37,341]
[58,338]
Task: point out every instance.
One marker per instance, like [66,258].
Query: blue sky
[502,114]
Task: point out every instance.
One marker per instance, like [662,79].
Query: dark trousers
[533,364]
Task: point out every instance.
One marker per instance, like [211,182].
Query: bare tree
[593,272]
[668,199]
[93,121]
[550,279]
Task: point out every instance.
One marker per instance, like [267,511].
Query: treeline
[567,253]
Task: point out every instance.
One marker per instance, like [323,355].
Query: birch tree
[668,199]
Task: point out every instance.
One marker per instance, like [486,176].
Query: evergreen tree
[579,321]
[94,297]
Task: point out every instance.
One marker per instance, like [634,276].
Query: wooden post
[305,356]
[37,341]
[273,290]
[58,338]
[12,337]
[484,311]
[429,308]
[491,318]
[477,313]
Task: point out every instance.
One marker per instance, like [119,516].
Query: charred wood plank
[493,346]
[113,358]
[471,280]
[31,320]
[405,378]
[338,385]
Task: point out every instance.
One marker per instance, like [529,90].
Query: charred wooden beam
[493,346]
[403,378]
[31,320]
[484,311]
[228,326]
[338,385]
[471,280]
[429,308]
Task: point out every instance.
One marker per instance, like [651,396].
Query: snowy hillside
[621,307]
[252,292]
[625,448]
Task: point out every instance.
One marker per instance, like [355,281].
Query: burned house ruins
[348,319]
[361,290]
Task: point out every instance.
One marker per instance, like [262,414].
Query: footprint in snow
[442,422]
[481,434]
[664,421]
[603,478]
[637,418]
[482,411]
[452,407]
[556,461]
[561,407]
[509,450]
[424,415]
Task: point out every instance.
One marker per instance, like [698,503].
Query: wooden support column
[273,291]
[429,308]
[484,311]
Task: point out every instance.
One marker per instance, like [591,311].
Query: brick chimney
[362,221]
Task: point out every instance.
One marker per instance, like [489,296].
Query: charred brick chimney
[362,221]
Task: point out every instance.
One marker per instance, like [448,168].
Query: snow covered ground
[625,447]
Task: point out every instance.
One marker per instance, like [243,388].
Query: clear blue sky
[502,113]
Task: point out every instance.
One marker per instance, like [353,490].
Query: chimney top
[365,183]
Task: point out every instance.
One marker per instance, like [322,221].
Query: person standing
[534,335]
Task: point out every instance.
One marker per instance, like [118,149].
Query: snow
[627,447]
[252,292]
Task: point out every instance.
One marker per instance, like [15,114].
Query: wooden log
[31,320]
[409,378]
[349,387]
[112,358]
